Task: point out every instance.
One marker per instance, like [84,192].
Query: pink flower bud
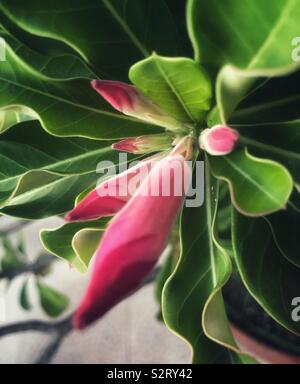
[219,140]
[136,236]
[131,246]
[145,144]
[111,195]
[129,100]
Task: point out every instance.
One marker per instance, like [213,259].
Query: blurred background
[130,333]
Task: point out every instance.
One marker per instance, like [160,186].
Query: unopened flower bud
[129,100]
[145,144]
[219,140]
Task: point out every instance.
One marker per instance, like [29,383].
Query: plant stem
[43,262]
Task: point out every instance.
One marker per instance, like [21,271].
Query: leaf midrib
[174,90]
[281,19]
[125,27]
[49,167]
[263,106]
[208,207]
[58,98]
[246,176]
[271,148]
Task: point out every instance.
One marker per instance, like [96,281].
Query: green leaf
[110,35]
[21,247]
[276,141]
[59,66]
[37,169]
[273,99]
[74,242]
[10,116]
[39,44]
[250,34]
[53,302]
[178,10]
[44,268]
[179,86]
[41,194]
[24,299]
[268,275]
[285,226]
[64,107]
[233,85]
[257,186]
[193,307]
[12,259]
[164,273]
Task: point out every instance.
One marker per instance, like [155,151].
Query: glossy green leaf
[40,44]
[41,175]
[234,85]
[178,10]
[110,35]
[285,225]
[11,259]
[41,194]
[250,34]
[74,242]
[24,299]
[257,186]
[193,307]
[59,66]
[276,141]
[180,86]
[65,108]
[272,99]
[10,116]
[270,278]
[167,267]
[54,303]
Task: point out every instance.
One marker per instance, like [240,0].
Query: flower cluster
[138,233]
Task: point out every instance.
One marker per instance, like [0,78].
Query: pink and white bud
[129,100]
[145,144]
[135,238]
[219,140]
[111,195]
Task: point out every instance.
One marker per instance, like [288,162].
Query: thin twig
[41,263]
[60,329]
[38,326]
[50,351]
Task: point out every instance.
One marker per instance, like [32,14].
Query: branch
[51,349]
[43,262]
[58,327]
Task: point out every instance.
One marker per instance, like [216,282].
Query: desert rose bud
[111,195]
[136,237]
[218,140]
[129,100]
[145,144]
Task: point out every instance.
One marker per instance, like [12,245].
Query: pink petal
[219,140]
[133,242]
[111,195]
[127,145]
[128,99]
[145,144]
[121,96]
